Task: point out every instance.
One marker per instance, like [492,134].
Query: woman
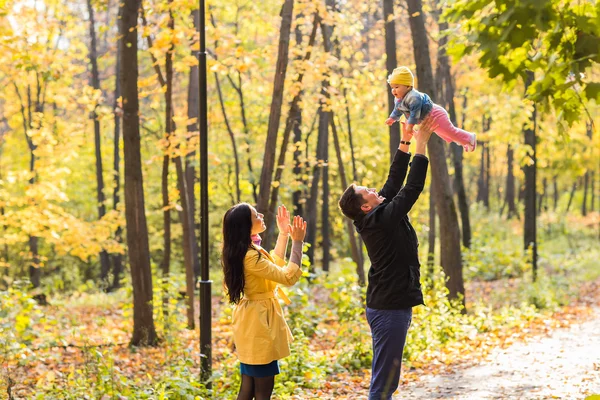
[260,333]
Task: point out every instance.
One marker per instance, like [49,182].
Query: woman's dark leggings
[256,388]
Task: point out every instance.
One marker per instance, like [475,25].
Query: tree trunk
[166,261]
[311,205]
[166,204]
[297,195]
[391,63]
[431,233]
[488,169]
[95,81]
[463,205]
[188,227]
[530,234]
[35,274]
[457,151]
[360,266]
[481,178]
[190,170]
[144,332]
[247,137]
[165,265]
[232,138]
[586,176]
[294,113]
[354,245]
[266,175]
[555,191]
[186,217]
[483,183]
[542,196]
[451,259]
[325,117]
[297,204]
[593,192]
[117,259]
[510,183]
[27,115]
[571,195]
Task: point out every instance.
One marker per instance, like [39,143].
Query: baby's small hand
[390,121]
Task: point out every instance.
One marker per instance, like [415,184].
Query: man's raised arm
[398,168]
[408,195]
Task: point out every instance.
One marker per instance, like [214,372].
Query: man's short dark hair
[350,203]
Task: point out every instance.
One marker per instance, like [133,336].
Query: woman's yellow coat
[260,332]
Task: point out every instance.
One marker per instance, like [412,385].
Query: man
[394,278]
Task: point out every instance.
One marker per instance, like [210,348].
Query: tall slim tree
[193,101]
[530,169]
[239,89]
[391,63]
[266,176]
[488,168]
[481,177]
[432,228]
[572,195]
[166,81]
[586,176]
[165,264]
[298,206]
[510,184]
[236,159]
[186,217]
[555,193]
[117,259]
[593,192]
[30,110]
[311,204]
[542,196]
[354,243]
[144,332]
[450,249]
[325,116]
[295,112]
[95,81]
[457,151]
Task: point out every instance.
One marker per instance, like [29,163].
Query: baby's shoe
[469,147]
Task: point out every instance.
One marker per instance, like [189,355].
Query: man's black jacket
[391,241]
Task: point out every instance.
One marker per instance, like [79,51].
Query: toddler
[417,106]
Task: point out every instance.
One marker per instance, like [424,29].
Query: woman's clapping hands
[298,228]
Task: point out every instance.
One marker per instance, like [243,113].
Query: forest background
[99,254]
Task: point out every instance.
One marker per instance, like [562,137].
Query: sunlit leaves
[555,40]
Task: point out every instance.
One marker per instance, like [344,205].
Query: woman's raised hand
[283,219]
[298,228]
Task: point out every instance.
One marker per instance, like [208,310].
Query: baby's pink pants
[446,130]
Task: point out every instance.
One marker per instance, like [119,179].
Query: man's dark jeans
[388,329]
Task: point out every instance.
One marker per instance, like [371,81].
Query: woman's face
[258,222]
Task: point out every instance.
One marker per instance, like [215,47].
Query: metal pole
[205,283]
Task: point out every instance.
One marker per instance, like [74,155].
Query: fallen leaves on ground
[66,332]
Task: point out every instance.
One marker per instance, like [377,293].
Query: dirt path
[564,365]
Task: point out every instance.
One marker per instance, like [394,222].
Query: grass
[76,347]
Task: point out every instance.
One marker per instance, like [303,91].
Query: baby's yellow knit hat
[401,76]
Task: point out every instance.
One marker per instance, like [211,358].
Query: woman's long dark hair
[237,228]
